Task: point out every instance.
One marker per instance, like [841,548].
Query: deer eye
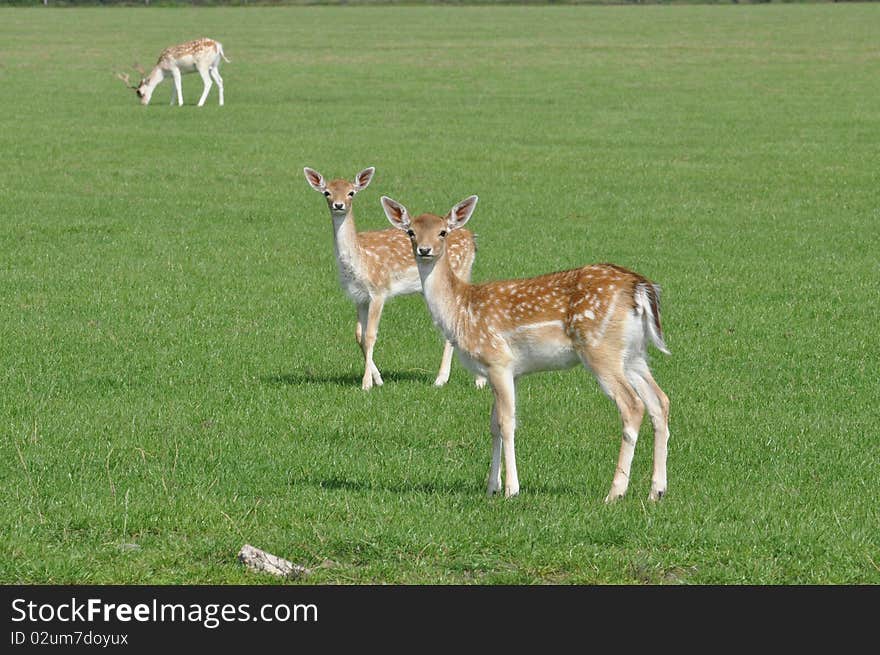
[351,194]
[410,234]
[326,194]
[442,234]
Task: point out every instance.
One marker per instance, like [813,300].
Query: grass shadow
[338,483]
[476,488]
[299,378]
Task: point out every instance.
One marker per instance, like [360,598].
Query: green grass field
[178,367]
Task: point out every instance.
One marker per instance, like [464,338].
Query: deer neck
[345,240]
[155,77]
[445,295]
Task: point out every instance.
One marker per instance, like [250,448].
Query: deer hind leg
[370,332]
[206,80]
[657,404]
[173,94]
[215,74]
[632,410]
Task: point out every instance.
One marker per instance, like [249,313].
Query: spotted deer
[377,265]
[202,55]
[601,316]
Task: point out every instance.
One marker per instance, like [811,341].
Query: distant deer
[602,316]
[377,265]
[202,55]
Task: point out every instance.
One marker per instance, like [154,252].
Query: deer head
[428,232]
[142,88]
[339,193]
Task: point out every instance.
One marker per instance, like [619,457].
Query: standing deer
[601,316]
[202,55]
[377,265]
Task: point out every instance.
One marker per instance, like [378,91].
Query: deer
[601,316]
[202,55]
[376,265]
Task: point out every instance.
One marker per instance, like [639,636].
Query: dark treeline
[276,3]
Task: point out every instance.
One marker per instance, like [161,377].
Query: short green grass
[179,374]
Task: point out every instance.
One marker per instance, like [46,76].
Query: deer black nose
[338,205]
[424,250]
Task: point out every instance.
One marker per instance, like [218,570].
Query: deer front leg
[445,366]
[494,485]
[173,94]
[371,331]
[504,388]
[359,328]
[363,312]
[206,80]
[175,74]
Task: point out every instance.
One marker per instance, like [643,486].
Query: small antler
[140,69]
[125,79]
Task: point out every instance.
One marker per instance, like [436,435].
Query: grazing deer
[202,55]
[377,265]
[601,316]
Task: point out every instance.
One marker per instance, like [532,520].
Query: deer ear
[315,179]
[461,213]
[396,213]
[362,180]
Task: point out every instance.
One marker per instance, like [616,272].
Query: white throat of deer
[439,282]
[339,217]
[344,236]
